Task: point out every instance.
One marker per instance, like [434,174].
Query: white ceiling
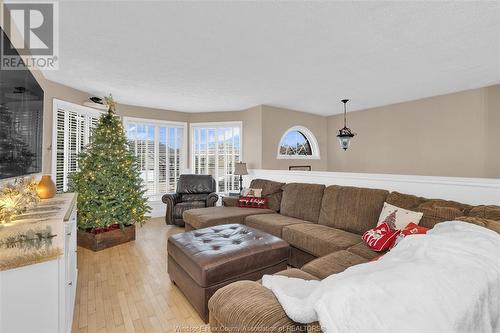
[220,56]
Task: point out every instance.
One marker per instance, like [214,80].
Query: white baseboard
[473,191]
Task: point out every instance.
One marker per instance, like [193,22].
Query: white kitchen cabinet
[39,298]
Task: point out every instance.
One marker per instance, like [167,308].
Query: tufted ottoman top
[217,254]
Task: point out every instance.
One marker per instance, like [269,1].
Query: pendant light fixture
[345,134]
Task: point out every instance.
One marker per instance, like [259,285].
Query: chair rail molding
[473,191]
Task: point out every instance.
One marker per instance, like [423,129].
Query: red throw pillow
[380,238]
[413,229]
[410,229]
[252,202]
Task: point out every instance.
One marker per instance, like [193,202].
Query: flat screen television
[21,117]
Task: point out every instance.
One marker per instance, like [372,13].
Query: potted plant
[110,194]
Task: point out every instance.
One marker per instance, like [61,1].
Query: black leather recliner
[193,191]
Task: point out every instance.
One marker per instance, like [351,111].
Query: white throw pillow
[251,192]
[398,218]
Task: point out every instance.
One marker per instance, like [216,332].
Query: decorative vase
[46,188]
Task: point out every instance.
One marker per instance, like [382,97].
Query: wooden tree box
[101,241]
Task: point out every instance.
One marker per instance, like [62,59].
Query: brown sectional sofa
[323,226]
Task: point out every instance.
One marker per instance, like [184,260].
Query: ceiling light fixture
[345,134]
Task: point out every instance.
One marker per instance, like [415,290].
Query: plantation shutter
[215,150]
[159,148]
[73,132]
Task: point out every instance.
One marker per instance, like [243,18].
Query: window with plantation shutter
[160,148]
[215,148]
[72,131]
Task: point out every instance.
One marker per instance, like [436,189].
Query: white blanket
[445,281]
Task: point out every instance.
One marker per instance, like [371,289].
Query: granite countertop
[38,234]
[56,208]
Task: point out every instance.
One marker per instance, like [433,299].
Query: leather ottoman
[204,260]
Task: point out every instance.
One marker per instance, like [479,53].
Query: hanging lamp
[345,134]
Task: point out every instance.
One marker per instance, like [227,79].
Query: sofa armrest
[170,199]
[212,199]
[233,309]
[230,201]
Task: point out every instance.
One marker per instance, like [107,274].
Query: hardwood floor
[127,289]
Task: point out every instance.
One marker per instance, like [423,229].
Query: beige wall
[150,113]
[276,121]
[450,135]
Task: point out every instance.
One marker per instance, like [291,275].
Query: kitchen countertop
[47,218]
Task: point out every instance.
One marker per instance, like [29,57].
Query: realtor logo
[30,36]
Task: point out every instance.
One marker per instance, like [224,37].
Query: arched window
[298,143]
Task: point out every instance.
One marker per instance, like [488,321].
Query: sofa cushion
[333,263]
[352,209]
[208,217]
[302,201]
[271,190]
[487,223]
[406,201]
[363,250]
[318,240]
[271,223]
[230,201]
[297,273]
[490,212]
[181,207]
[435,210]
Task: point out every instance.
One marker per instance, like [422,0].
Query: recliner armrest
[171,198]
[212,199]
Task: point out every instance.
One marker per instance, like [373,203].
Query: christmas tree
[108,182]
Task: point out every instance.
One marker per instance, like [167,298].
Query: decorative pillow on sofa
[381,238]
[398,218]
[414,229]
[410,229]
[251,192]
[252,202]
